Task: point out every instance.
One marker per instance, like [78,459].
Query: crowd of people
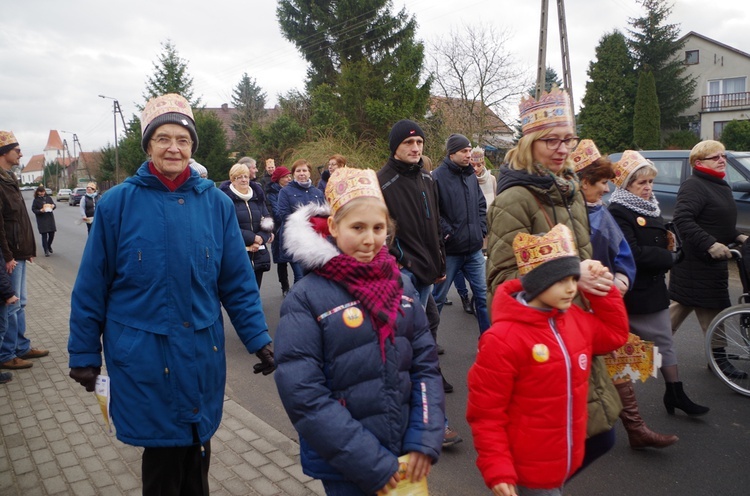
[557,279]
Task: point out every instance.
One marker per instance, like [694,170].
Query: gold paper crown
[171,102]
[552,110]
[630,162]
[7,138]
[477,153]
[584,155]
[532,251]
[348,183]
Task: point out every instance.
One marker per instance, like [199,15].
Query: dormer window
[691,57]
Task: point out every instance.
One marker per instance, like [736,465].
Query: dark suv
[75,197]
[674,167]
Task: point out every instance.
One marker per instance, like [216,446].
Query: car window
[733,175]
[670,171]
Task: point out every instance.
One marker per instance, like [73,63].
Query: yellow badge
[641,221]
[353,317]
[540,352]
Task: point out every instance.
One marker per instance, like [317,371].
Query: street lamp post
[115,110]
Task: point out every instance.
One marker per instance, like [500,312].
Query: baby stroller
[730,331]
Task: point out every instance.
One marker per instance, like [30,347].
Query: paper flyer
[101,390]
[406,487]
[636,360]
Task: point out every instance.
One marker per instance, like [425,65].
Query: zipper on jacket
[569,387]
[426,205]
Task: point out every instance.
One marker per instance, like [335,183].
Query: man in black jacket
[463,217]
[18,246]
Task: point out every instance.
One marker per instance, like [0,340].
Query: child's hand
[11,300]
[391,484]
[504,489]
[595,279]
[419,466]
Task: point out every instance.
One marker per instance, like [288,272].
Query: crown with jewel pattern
[552,110]
[348,183]
[584,155]
[7,138]
[630,162]
[532,251]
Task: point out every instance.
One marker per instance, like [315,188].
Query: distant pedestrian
[18,247]
[265,179]
[335,162]
[42,206]
[88,205]
[164,257]
[280,178]
[199,168]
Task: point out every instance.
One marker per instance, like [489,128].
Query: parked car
[75,198]
[28,188]
[674,167]
[64,194]
[48,190]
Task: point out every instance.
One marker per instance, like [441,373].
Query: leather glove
[719,251]
[85,376]
[267,363]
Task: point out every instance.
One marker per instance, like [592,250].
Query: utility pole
[77,158]
[115,110]
[541,70]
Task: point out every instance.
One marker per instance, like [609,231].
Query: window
[670,171]
[718,129]
[691,57]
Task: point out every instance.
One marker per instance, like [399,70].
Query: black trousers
[47,239]
[181,471]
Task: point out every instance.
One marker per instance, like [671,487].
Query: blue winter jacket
[354,413]
[291,197]
[463,209]
[155,271]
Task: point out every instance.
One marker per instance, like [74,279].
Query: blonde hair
[521,157]
[238,170]
[705,149]
[92,184]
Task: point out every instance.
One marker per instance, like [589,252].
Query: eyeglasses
[715,157]
[163,142]
[554,143]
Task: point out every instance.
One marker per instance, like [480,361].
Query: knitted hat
[280,172]
[167,109]
[7,142]
[546,259]
[584,155]
[199,168]
[629,163]
[400,131]
[456,142]
[552,110]
[348,183]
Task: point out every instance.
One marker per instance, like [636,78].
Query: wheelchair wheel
[730,331]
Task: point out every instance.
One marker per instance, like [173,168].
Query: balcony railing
[725,101]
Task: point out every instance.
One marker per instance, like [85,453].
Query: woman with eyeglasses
[42,206]
[88,205]
[705,216]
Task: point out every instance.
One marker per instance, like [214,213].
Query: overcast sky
[56,56]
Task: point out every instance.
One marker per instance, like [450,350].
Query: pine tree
[212,148]
[655,46]
[250,102]
[170,76]
[646,116]
[607,113]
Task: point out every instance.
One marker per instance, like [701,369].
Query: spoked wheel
[728,347]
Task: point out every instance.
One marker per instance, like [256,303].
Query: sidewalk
[53,439]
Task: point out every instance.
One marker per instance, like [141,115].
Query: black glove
[85,376]
[267,363]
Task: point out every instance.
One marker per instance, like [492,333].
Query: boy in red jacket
[528,386]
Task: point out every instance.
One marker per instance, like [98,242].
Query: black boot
[675,397]
[466,303]
[447,386]
[727,368]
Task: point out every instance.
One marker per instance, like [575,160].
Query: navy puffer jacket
[254,220]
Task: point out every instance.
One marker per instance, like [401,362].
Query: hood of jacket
[507,308]
[303,242]
[512,177]
[457,169]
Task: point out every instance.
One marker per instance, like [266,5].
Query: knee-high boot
[639,435]
[675,397]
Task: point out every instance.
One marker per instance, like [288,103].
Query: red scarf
[711,172]
[170,184]
[377,285]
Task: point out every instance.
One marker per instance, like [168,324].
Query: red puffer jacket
[528,386]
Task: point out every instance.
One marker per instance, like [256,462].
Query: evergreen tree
[250,102]
[655,46]
[607,113]
[736,135]
[170,76]
[212,146]
[130,153]
[646,120]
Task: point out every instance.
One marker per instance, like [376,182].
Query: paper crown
[584,155]
[348,183]
[477,154]
[552,110]
[171,102]
[532,251]
[7,138]
[630,162]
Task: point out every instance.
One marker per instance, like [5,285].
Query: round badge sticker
[641,221]
[353,317]
[540,352]
[583,361]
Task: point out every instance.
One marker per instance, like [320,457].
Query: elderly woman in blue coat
[165,253]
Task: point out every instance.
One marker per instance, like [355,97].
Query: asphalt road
[712,456]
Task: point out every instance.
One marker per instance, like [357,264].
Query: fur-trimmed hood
[306,245]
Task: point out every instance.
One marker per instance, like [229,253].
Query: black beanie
[545,275]
[5,149]
[400,131]
[456,142]
[170,118]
